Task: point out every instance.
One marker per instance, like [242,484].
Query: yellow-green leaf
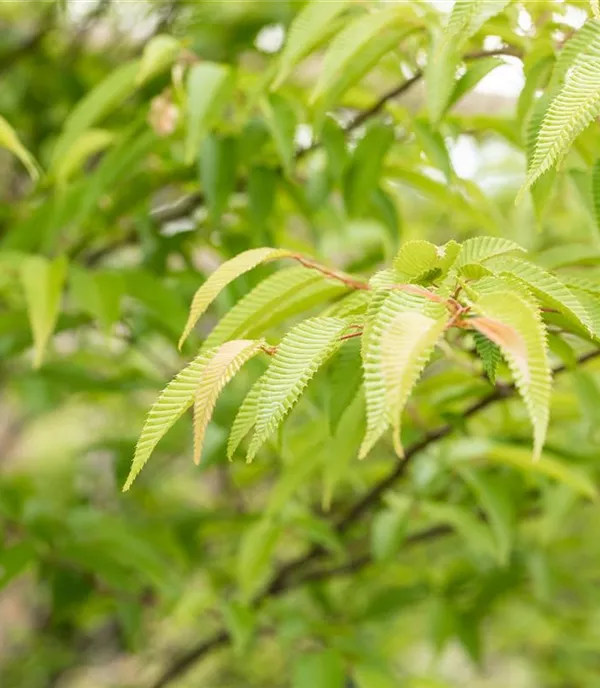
[10,141]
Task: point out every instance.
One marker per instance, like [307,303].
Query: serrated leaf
[222,276]
[43,283]
[219,370]
[497,504]
[10,140]
[355,50]
[89,143]
[245,419]
[596,191]
[483,248]
[282,121]
[300,354]
[545,286]
[406,347]
[313,25]
[217,166]
[159,53]
[345,379]
[383,310]
[466,18]
[95,105]
[512,323]
[415,259]
[208,86]
[171,404]
[364,170]
[489,353]
[573,107]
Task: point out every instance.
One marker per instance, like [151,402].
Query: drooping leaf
[225,274]
[406,347]
[571,110]
[312,26]
[208,87]
[245,418]
[489,353]
[345,379]
[10,140]
[172,403]
[43,282]
[300,354]
[470,79]
[434,147]
[221,367]
[596,191]
[515,325]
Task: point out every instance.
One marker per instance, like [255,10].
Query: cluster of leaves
[182,137]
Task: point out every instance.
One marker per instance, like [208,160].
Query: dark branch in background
[284,580]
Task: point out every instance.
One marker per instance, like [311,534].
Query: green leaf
[90,142]
[10,141]
[571,110]
[515,325]
[300,354]
[96,105]
[344,380]
[406,346]
[312,26]
[498,505]
[489,353]
[355,50]
[282,120]
[388,531]
[474,532]
[434,147]
[245,419]
[14,560]
[596,191]
[362,176]
[480,249]
[241,623]
[415,260]
[255,556]
[172,403]
[159,54]
[474,74]
[333,138]
[217,165]
[221,277]
[262,187]
[98,293]
[43,282]
[323,669]
[219,370]
[466,18]
[209,85]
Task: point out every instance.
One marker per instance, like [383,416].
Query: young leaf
[10,141]
[159,54]
[245,419]
[282,121]
[480,249]
[225,274]
[89,143]
[226,362]
[415,259]
[217,166]
[512,323]
[300,354]
[208,87]
[489,353]
[570,111]
[311,27]
[43,282]
[172,403]
[406,347]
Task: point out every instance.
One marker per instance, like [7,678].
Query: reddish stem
[346,279]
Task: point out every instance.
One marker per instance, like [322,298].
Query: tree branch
[283,580]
